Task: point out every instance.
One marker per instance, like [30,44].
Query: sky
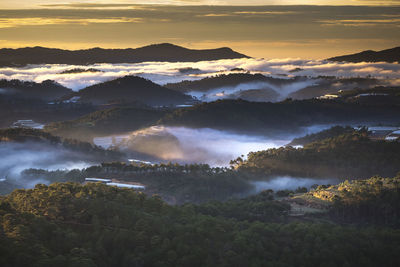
[12,4]
[274,31]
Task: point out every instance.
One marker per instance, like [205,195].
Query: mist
[203,145]
[291,183]
[282,91]
[17,157]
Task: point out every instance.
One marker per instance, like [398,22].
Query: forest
[69,224]
[351,154]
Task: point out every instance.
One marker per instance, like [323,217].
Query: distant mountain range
[389,55]
[129,89]
[157,52]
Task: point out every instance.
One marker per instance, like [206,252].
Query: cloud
[168,72]
[361,22]
[287,182]
[39,21]
[186,145]
[17,157]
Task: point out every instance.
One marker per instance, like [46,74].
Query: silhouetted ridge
[388,55]
[156,52]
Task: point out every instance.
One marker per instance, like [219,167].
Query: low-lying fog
[291,183]
[267,91]
[171,72]
[187,145]
[16,157]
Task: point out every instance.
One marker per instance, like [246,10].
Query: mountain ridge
[156,52]
[390,55]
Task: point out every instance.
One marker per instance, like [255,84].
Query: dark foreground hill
[388,55]
[67,224]
[130,89]
[156,52]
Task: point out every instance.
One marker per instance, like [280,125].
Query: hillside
[130,89]
[286,115]
[67,224]
[328,133]
[347,155]
[47,90]
[389,55]
[369,201]
[13,108]
[156,52]
[103,122]
[29,136]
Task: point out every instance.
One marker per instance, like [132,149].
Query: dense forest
[68,224]
[328,133]
[348,155]
[176,184]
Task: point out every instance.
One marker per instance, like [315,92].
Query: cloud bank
[168,72]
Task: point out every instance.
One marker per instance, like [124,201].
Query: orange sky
[267,31]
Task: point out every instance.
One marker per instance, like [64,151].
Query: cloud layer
[167,72]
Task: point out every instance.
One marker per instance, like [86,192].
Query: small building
[393,136]
[27,124]
[328,96]
[117,183]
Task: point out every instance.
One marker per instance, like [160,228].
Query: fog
[168,72]
[282,91]
[203,145]
[288,182]
[16,157]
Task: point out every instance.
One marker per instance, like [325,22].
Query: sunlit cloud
[265,12]
[18,22]
[360,22]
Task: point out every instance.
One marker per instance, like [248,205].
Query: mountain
[130,89]
[47,90]
[389,55]
[156,52]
